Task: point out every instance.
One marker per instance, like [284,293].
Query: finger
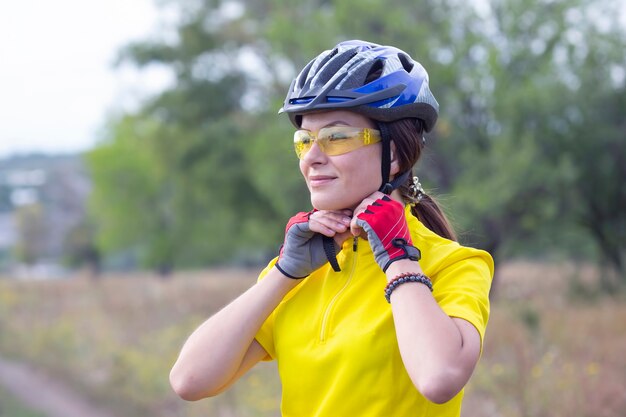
[337,215]
[320,228]
[363,206]
[330,219]
[355,229]
[328,226]
[342,237]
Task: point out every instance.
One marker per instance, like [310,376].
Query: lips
[320,180]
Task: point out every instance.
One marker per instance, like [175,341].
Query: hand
[302,251]
[387,231]
[335,224]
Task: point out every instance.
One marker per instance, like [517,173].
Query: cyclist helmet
[341,79]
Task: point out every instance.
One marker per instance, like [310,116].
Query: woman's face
[340,181]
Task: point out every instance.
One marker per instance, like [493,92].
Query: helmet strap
[385,168]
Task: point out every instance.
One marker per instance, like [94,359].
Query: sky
[58,83]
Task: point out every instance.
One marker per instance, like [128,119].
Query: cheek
[369,165]
[368,176]
[303,168]
[364,173]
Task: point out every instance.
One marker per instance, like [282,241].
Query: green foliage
[598,203]
[204,172]
[535,84]
[80,249]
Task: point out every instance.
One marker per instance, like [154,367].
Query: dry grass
[116,339]
[551,349]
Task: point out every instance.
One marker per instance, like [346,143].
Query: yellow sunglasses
[334,140]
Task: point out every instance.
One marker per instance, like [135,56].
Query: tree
[534,77]
[181,170]
[80,249]
[594,141]
[512,78]
[598,194]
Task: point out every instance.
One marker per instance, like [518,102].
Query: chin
[331,203]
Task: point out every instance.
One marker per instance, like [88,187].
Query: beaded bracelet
[407,277]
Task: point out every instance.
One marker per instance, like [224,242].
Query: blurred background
[145,177]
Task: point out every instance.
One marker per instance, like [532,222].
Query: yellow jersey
[334,339]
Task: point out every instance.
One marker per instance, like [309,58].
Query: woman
[371,307]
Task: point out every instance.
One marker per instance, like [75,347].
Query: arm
[439,352]
[223,347]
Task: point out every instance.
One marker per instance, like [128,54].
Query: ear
[394,164]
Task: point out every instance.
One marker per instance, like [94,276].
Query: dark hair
[408,136]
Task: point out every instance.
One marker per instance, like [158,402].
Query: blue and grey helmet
[340,79]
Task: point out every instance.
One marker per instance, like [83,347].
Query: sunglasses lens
[302,142]
[339,140]
[335,140]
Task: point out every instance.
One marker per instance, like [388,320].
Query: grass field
[552,348]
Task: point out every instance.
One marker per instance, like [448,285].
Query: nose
[314,155]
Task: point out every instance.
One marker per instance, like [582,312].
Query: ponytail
[407,134]
[430,214]
[427,210]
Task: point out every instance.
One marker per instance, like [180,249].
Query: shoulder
[439,253]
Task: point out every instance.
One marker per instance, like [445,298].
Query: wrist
[409,252]
[407,278]
[402,266]
[289,274]
[285,282]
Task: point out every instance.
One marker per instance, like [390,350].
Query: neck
[396,195]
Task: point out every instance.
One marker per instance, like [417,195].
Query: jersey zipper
[331,304]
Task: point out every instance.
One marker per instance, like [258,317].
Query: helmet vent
[304,75]
[330,67]
[327,58]
[375,71]
[407,62]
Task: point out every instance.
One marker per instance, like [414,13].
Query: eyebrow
[331,124]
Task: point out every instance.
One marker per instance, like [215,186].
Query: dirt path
[43,393]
